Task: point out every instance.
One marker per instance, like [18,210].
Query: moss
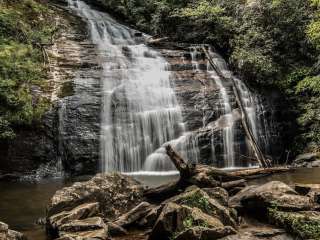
[188,223]
[197,200]
[66,90]
[304,226]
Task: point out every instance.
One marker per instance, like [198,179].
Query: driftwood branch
[186,170]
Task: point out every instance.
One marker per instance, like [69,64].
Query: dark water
[302,176]
[21,204]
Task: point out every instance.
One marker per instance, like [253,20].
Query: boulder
[81,212]
[260,233]
[7,234]
[315,163]
[86,229]
[204,233]
[200,199]
[304,159]
[218,193]
[115,230]
[176,218]
[149,220]
[115,193]
[134,215]
[258,198]
[305,224]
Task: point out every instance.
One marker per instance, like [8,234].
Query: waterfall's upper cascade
[140,110]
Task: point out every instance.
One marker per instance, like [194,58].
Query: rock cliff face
[68,135]
[201,98]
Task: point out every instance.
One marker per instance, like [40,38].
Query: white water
[140,111]
[228,114]
[247,99]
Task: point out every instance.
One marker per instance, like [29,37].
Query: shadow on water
[22,204]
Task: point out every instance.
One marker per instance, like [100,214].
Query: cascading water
[140,110]
[227,112]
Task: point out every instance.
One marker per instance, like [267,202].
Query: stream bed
[22,204]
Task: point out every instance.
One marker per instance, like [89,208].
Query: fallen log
[256,172]
[204,176]
[164,192]
[186,170]
[234,184]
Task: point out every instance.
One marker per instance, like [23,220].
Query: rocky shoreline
[115,206]
[112,206]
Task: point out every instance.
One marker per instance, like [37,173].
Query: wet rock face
[202,105]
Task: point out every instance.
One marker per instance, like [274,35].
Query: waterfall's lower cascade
[147,103]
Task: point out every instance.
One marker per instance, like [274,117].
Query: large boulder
[305,224]
[115,193]
[175,219]
[306,160]
[260,233]
[310,190]
[218,193]
[204,233]
[258,199]
[7,234]
[200,199]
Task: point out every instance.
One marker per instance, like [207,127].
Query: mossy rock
[304,224]
[198,198]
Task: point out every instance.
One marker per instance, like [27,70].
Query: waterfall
[140,110]
[228,113]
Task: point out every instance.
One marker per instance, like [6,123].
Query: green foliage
[197,200]
[188,223]
[309,84]
[23,26]
[304,227]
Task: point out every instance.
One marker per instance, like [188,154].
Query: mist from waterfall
[140,110]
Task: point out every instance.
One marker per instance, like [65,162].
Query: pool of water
[22,204]
[301,176]
[155,179]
